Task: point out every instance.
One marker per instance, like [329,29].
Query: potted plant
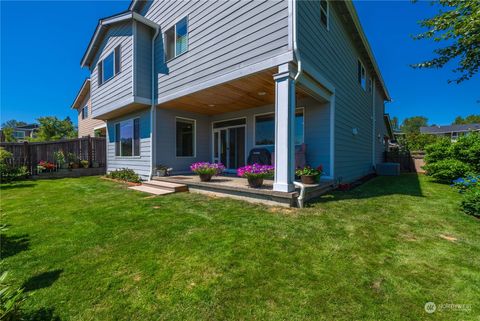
[309,175]
[206,170]
[84,163]
[60,160]
[72,160]
[45,166]
[255,174]
[163,170]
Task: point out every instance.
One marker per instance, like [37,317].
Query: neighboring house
[184,81]
[22,133]
[452,131]
[87,125]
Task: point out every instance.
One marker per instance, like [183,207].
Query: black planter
[205,177]
[255,182]
[309,179]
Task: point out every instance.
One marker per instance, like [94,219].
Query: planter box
[76,172]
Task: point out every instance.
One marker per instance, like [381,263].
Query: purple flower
[207,168]
[255,171]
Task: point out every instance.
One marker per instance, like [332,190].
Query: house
[452,131]
[184,81]
[22,133]
[87,125]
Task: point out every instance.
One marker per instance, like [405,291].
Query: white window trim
[228,127]
[112,52]
[269,113]
[174,26]
[194,137]
[327,13]
[365,72]
[120,146]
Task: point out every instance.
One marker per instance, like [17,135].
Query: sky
[42,44]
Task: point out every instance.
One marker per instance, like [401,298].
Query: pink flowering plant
[256,171]
[206,168]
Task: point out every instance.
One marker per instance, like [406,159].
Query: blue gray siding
[140,164]
[143,60]
[333,53]
[223,36]
[120,86]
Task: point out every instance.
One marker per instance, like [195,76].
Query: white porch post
[284,130]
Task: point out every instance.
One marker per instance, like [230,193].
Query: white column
[284,130]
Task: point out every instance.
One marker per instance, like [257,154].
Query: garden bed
[74,172]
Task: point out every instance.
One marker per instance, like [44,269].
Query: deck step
[168,186]
[151,190]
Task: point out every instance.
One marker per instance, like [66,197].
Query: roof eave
[81,93]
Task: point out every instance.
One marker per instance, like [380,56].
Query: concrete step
[151,190]
[168,186]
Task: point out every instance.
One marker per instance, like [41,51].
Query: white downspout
[295,41]
[374,125]
[153,129]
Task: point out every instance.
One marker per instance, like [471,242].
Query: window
[109,66]
[19,134]
[265,128]
[127,138]
[185,137]
[176,39]
[362,76]
[85,112]
[324,19]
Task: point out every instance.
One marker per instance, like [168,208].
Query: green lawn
[90,249]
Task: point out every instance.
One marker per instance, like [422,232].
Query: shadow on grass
[42,280]
[11,245]
[405,184]
[43,314]
[8,186]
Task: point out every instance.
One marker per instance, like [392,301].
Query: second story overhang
[102,27]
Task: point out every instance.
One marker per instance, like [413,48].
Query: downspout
[374,125]
[296,53]
[153,129]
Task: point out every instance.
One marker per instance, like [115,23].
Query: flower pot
[205,177]
[255,182]
[309,179]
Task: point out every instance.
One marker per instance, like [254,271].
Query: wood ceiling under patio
[247,92]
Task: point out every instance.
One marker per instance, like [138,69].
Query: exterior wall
[166,139]
[121,86]
[316,134]
[140,164]
[143,60]
[333,53]
[86,126]
[223,37]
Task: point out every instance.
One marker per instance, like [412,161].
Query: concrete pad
[151,190]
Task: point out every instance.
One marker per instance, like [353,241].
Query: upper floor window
[127,138]
[362,75]
[324,12]
[85,112]
[19,134]
[109,66]
[176,39]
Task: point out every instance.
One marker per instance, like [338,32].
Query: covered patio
[225,119]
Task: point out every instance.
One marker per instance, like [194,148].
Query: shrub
[447,170]
[471,202]
[11,300]
[124,174]
[467,150]
[417,142]
[9,172]
[439,150]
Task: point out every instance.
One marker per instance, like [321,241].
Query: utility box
[388,169]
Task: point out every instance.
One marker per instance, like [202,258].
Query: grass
[89,249]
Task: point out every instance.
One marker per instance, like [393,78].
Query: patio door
[229,146]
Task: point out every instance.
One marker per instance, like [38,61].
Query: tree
[412,125]
[459,27]
[13,123]
[395,123]
[8,134]
[470,119]
[52,128]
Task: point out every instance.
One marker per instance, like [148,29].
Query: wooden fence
[409,161]
[92,149]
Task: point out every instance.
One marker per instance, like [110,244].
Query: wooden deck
[236,187]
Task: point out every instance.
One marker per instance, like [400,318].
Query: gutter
[153,129]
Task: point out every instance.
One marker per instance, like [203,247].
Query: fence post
[27,160]
[90,151]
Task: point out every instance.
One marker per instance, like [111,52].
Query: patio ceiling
[248,92]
